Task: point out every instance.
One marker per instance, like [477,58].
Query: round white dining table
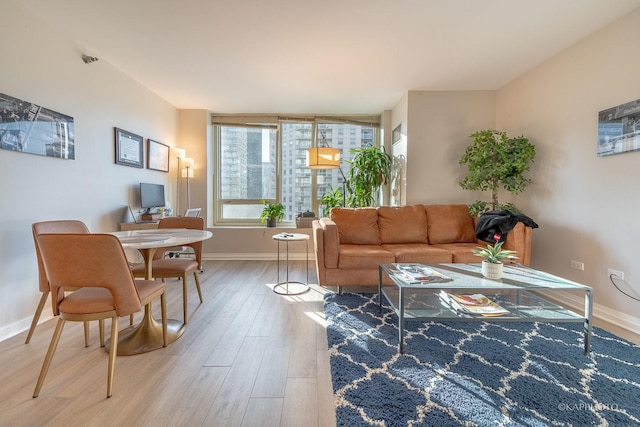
[147,335]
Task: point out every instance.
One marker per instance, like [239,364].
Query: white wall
[438,129]
[587,206]
[43,66]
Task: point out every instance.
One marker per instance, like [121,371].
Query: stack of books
[472,304]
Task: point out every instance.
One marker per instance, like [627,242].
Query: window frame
[275,122]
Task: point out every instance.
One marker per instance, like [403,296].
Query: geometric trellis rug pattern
[475,374]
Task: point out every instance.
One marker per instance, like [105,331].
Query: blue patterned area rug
[475,374]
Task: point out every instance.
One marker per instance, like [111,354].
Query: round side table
[289,287]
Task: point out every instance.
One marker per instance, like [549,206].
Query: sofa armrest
[331,242]
[519,240]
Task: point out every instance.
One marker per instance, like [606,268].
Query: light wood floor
[248,357]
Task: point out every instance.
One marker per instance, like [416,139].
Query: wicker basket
[304,221]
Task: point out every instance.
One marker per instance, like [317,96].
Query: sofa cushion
[357,226]
[461,252]
[402,224]
[363,256]
[422,253]
[450,224]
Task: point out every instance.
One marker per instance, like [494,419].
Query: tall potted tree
[370,170]
[496,161]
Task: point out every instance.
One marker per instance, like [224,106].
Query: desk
[128,226]
[147,336]
[300,287]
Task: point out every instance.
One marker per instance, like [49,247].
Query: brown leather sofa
[350,245]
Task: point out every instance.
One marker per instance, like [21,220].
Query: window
[264,158]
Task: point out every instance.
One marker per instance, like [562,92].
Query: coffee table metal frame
[286,238]
[522,290]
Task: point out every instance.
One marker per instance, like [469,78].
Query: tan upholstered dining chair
[96,265]
[62,226]
[163,268]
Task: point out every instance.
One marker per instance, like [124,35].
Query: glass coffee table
[523,292]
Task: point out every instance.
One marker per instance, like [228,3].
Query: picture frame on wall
[619,129]
[129,151]
[31,128]
[157,156]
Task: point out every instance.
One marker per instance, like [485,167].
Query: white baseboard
[600,312]
[294,256]
[22,325]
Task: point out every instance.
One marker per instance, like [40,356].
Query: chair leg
[86,334]
[47,360]
[184,297]
[36,316]
[101,327]
[131,319]
[163,307]
[195,274]
[112,354]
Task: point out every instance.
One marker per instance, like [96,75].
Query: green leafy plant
[494,161]
[479,207]
[332,199]
[370,170]
[494,254]
[271,211]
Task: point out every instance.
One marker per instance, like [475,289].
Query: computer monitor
[151,196]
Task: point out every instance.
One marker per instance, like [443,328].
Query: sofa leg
[339,290]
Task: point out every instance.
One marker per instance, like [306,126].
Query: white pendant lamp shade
[323,158]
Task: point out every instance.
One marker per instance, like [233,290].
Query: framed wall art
[619,129]
[31,128]
[157,156]
[129,148]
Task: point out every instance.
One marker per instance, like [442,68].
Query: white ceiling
[322,56]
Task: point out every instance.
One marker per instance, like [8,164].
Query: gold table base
[147,335]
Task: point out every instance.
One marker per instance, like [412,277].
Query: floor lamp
[326,157]
[180,154]
[187,172]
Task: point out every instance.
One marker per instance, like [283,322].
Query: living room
[585,205]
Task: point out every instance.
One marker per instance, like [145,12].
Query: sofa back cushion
[357,226]
[402,224]
[449,224]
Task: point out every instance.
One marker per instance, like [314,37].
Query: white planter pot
[492,271]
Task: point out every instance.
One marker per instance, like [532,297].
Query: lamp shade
[187,162]
[180,153]
[187,173]
[323,158]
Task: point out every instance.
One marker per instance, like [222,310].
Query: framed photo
[129,149]
[157,156]
[30,128]
[397,133]
[619,129]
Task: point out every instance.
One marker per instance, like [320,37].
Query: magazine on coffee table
[418,273]
[473,304]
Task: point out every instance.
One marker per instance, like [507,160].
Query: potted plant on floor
[271,213]
[370,169]
[494,161]
[492,257]
[332,199]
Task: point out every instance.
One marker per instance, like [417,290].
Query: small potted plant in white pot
[492,257]
[271,213]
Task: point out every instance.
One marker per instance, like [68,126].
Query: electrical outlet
[619,274]
[577,265]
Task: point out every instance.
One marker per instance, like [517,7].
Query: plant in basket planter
[492,257]
[271,213]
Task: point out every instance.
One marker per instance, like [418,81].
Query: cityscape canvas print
[619,129]
[34,129]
